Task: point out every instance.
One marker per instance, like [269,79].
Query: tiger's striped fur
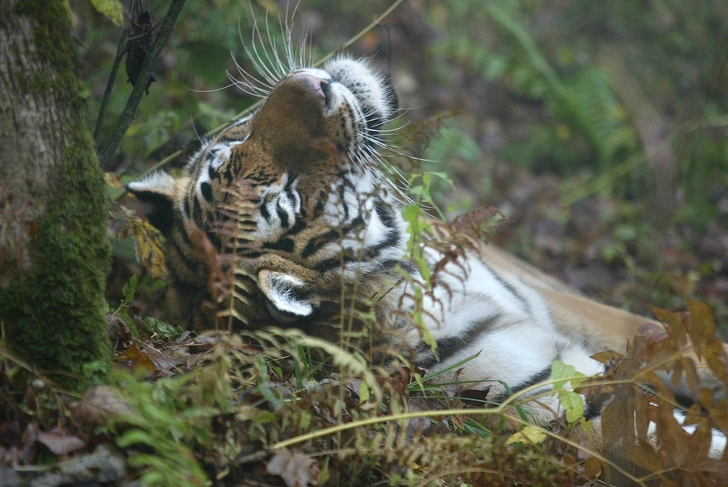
[313,194]
[293,196]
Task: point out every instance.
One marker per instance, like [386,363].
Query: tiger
[295,199]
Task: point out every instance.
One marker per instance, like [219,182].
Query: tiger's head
[274,191]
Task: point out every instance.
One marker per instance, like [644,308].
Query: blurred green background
[597,129]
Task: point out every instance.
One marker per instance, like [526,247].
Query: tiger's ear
[156,193]
[290,298]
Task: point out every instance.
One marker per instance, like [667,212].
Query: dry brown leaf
[713,466]
[702,324]
[706,398]
[60,442]
[607,357]
[693,414]
[147,241]
[664,316]
[715,357]
[166,359]
[671,436]
[677,374]
[113,180]
[614,427]
[296,469]
[212,337]
[699,442]
[104,466]
[134,358]
[643,456]
[691,376]
[592,468]
[118,330]
[641,419]
[98,405]
[149,248]
[192,360]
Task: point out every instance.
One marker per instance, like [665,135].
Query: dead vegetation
[287,409]
[281,409]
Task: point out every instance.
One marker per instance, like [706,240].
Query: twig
[110,85]
[130,110]
[254,106]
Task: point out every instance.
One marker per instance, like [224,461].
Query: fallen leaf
[296,469]
[134,358]
[118,330]
[104,466]
[8,477]
[192,360]
[60,442]
[98,405]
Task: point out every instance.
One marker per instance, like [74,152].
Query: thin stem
[130,110]
[445,412]
[110,85]
[120,194]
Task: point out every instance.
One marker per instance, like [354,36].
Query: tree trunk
[54,253]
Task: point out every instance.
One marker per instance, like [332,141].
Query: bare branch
[130,111]
[110,86]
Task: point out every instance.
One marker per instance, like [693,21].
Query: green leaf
[573,404]
[306,420]
[111,9]
[412,213]
[562,373]
[162,328]
[364,394]
[324,475]
[265,417]
[134,437]
[128,290]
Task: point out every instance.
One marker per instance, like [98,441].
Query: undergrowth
[272,414]
[279,407]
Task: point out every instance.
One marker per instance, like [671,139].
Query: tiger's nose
[320,86]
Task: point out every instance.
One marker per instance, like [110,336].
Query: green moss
[52,38]
[54,316]
[35,83]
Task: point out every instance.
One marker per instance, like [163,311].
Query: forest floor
[613,249]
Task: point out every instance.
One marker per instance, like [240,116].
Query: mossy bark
[54,253]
